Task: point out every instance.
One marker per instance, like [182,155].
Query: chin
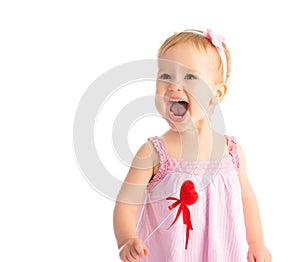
[181,126]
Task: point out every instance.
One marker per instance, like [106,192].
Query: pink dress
[193,210]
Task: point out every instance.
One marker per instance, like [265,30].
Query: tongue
[178,109]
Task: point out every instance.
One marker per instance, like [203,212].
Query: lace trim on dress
[164,159]
[201,167]
[232,147]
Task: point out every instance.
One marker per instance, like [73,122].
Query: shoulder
[235,145]
[241,155]
[146,156]
[145,149]
[241,159]
[237,152]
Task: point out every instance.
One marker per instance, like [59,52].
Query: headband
[216,41]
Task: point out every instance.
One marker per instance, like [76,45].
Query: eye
[190,77]
[164,76]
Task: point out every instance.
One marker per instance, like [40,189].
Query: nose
[175,87]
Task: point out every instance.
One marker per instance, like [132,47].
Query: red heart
[188,194]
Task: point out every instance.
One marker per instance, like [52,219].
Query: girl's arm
[128,202]
[254,232]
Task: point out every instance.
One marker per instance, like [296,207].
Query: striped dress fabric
[213,227]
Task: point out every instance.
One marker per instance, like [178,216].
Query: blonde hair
[199,41]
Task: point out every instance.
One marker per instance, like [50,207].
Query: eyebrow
[159,72]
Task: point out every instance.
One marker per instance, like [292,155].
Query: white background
[51,51]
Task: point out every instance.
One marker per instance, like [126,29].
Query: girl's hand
[258,253]
[133,249]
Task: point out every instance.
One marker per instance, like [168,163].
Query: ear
[220,92]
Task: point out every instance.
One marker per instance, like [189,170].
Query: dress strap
[232,148]
[164,158]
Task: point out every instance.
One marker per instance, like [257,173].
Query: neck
[201,129]
[193,138]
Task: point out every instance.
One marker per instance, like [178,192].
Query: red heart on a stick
[188,195]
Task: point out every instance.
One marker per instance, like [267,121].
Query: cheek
[196,110]
[160,103]
[160,106]
[199,93]
[199,101]
[200,105]
[161,86]
[160,97]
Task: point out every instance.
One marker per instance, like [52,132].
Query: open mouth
[178,109]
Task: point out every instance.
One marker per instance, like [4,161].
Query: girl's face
[186,90]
